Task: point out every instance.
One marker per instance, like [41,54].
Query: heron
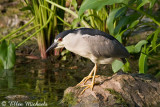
[96,45]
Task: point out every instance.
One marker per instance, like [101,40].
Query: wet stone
[118,90]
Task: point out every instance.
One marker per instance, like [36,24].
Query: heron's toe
[85,79]
[86,87]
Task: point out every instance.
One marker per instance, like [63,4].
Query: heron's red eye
[60,39]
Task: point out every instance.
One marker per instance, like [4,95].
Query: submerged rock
[135,90]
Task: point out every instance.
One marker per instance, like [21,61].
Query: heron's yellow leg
[85,79]
[93,80]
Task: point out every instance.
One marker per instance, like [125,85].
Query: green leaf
[11,56]
[120,12]
[149,37]
[154,40]
[74,3]
[139,45]
[7,55]
[110,20]
[64,58]
[29,7]
[121,23]
[136,48]
[75,22]
[143,63]
[3,51]
[64,52]
[131,2]
[1,65]
[117,65]
[134,23]
[152,2]
[96,4]
[126,20]
[119,38]
[126,67]
[131,49]
[133,17]
[143,2]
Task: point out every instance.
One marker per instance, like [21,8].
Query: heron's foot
[86,87]
[85,79]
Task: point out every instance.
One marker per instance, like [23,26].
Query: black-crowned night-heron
[93,44]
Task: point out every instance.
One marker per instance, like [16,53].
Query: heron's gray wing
[104,47]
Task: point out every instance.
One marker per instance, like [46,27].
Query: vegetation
[119,18]
[69,99]
[7,55]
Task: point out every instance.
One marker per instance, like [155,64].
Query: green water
[43,81]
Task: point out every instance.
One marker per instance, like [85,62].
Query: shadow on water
[44,81]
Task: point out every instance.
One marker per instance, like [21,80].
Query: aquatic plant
[7,55]
[46,24]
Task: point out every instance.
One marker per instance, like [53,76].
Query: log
[119,90]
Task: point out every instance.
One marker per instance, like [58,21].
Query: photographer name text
[21,104]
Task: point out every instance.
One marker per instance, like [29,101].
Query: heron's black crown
[83,31]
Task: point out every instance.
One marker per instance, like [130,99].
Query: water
[43,81]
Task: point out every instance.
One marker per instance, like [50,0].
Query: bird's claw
[85,79]
[87,86]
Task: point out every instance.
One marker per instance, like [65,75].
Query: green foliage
[64,54]
[112,16]
[116,65]
[110,20]
[45,18]
[126,66]
[75,14]
[7,55]
[143,63]
[48,22]
[69,99]
[120,23]
[120,18]
[136,48]
[97,4]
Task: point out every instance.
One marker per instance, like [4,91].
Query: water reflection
[6,79]
[42,81]
[45,81]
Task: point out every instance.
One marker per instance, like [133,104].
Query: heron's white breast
[76,44]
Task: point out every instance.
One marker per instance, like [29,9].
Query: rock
[135,90]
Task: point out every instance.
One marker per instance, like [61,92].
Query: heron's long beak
[54,45]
